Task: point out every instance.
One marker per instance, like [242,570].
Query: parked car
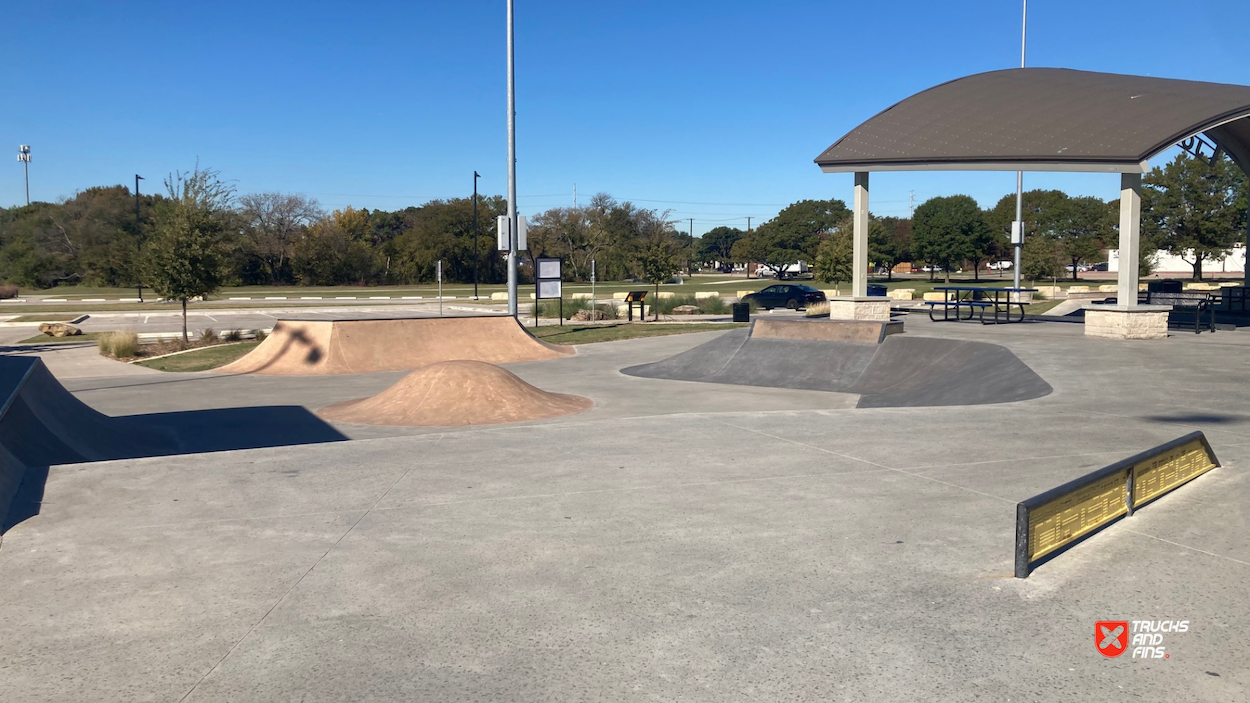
[791,296]
[1081,268]
[1104,266]
[999,266]
[932,269]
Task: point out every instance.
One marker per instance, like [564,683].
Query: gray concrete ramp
[897,372]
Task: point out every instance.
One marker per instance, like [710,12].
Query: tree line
[102,235]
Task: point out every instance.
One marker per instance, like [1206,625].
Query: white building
[1167,264]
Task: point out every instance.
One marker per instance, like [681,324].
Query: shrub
[817,310]
[8,291]
[233,336]
[714,306]
[119,345]
[209,336]
[260,335]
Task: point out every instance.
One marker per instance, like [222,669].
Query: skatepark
[225,535]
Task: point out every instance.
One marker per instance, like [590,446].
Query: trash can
[742,312]
[1167,285]
[876,290]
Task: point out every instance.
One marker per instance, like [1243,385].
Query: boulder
[686,310]
[588,315]
[59,329]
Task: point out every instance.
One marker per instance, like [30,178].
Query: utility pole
[574,196]
[1018,227]
[512,219]
[138,239]
[692,228]
[475,177]
[748,225]
[23,155]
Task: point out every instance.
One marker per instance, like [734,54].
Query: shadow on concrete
[1199,418]
[43,425]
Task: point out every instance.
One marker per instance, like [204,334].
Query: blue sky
[713,110]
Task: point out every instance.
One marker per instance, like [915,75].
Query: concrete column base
[1127,321]
[859,308]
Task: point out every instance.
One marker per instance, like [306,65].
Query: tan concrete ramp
[456,393]
[332,347]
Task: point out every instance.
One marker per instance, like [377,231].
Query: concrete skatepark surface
[678,541]
[328,347]
[456,393]
[900,371]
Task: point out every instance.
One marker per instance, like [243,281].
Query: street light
[23,155]
[138,239]
[475,177]
[1017,228]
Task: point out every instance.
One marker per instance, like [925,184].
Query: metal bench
[946,305]
[1190,308]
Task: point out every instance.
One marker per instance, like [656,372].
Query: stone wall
[875,309]
[1120,324]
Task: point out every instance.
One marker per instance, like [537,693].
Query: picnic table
[978,300]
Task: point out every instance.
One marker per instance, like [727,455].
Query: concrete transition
[332,347]
[897,372]
[42,425]
[456,393]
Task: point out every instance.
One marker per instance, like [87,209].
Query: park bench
[978,300]
[1190,308]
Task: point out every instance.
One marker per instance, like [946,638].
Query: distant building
[1166,263]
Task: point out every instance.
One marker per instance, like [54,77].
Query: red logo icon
[1111,637]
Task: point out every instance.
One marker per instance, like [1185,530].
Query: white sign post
[593,316]
[438,273]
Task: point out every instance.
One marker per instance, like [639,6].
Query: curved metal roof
[1045,119]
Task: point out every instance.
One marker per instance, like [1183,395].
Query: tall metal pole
[1019,246]
[138,239]
[475,177]
[512,220]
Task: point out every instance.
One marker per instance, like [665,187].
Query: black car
[785,295]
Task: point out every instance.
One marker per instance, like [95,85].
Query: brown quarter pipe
[332,347]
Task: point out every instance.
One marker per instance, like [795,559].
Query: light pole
[475,177]
[23,155]
[512,220]
[1017,233]
[138,240]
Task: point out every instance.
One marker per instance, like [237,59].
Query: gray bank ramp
[43,425]
[898,371]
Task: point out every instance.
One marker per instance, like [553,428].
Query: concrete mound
[456,393]
[333,347]
[897,372]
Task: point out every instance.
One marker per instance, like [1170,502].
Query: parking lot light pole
[138,240]
[512,220]
[1018,245]
[23,155]
[475,177]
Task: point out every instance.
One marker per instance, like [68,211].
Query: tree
[660,254]
[717,245]
[1040,258]
[275,222]
[184,256]
[947,231]
[889,242]
[1080,225]
[792,236]
[835,257]
[1195,209]
[337,251]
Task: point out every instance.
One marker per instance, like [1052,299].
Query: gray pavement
[681,541]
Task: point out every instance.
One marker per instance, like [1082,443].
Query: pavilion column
[1127,319]
[859,275]
[857,305]
[1130,236]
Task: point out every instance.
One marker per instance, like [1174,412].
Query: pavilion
[1045,119]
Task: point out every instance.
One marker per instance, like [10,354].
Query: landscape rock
[686,310]
[59,329]
[588,315]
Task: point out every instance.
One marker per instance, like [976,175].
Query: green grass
[200,359]
[45,339]
[589,334]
